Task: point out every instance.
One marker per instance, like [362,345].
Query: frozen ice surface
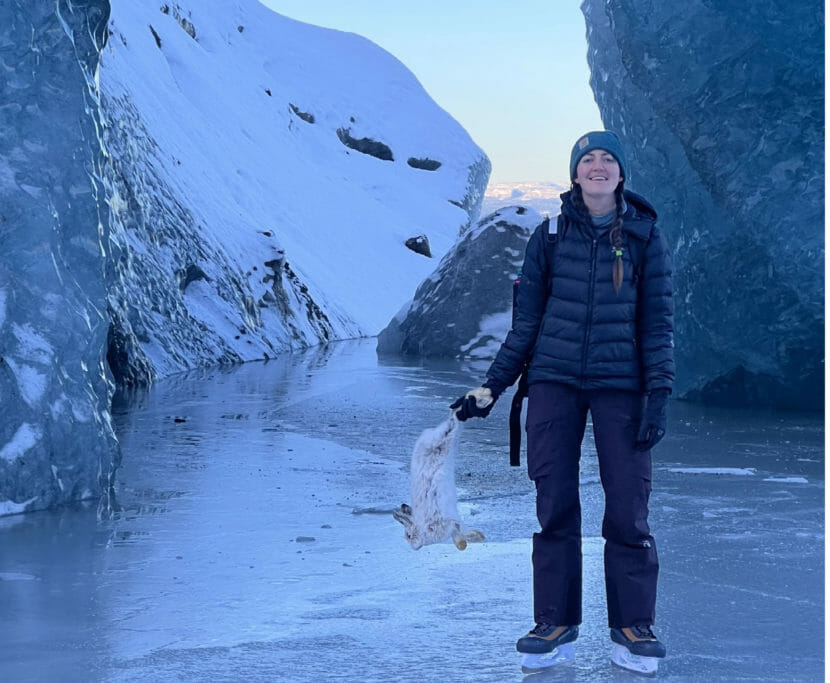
[254,541]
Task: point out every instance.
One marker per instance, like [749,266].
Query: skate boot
[636,648]
[546,646]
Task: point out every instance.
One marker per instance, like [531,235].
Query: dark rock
[720,108]
[190,274]
[425,164]
[420,245]
[365,145]
[156,36]
[304,115]
[463,310]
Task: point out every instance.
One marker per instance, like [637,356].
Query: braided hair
[614,235]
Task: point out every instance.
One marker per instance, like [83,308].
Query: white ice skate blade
[647,666]
[532,663]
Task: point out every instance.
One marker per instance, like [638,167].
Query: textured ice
[201,576]
[747,239]
[53,297]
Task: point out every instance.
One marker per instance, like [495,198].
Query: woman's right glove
[653,424]
[476,403]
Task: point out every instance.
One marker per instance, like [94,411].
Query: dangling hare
[433,516]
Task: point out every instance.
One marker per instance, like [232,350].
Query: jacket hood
[639,214]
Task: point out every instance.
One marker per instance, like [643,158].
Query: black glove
[476,403]
[653,424]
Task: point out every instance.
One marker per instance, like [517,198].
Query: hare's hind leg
[461,538]
[474,536]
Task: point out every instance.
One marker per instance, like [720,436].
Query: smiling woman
[530,59]
[592,331]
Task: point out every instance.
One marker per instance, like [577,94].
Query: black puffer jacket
[571,324]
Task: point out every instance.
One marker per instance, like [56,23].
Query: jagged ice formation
[720,108]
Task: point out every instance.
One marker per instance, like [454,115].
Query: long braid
[615,237]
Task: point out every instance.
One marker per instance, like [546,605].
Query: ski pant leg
[631,564]
[556,417]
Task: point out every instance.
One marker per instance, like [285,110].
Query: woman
[593,320]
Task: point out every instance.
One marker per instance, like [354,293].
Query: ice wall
[720,107]
[56,442]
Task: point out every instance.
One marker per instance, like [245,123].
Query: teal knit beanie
[598,139]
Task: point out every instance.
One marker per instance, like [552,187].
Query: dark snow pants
[556,421]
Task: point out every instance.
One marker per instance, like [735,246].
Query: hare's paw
[474,536]
[403,514]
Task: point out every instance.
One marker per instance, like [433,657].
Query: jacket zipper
[592,266]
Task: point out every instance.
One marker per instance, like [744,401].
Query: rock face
[463,310]
[720,108]
[56,442]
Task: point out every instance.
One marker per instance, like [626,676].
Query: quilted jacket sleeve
[655,324]
[527,316]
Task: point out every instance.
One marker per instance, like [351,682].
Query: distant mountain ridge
[540,196]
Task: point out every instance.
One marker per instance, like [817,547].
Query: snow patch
[8,507]
[737,471]
[24,438]
[32,346]
[491,332]
[16,576]
[30,382]
[787,480]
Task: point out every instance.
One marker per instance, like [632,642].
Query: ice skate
[547,646]
[636,649]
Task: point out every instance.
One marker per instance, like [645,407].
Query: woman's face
[598,173]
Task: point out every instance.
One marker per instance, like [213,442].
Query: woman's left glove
[653,424]
[476,403]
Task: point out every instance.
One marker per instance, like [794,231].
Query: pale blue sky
[514,75]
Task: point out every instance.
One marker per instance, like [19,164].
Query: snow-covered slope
[183,185]
[245,220]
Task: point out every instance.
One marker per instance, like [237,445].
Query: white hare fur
[433,516]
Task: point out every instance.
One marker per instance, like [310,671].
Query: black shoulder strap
[552,236]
